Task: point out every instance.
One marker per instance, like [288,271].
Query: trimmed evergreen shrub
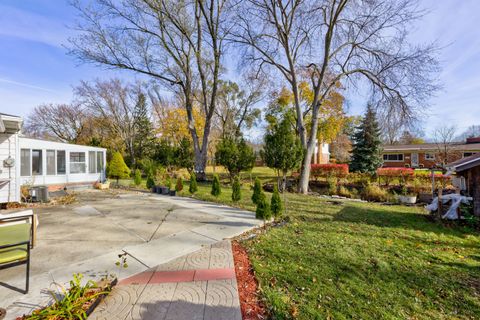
[179,185]
[276,203]
[257,190]
[236,190]
[263,208]
[150,182]
[117,168]
[137,179]
[193,183]
[216,191]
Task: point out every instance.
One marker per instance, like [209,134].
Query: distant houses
[428,155]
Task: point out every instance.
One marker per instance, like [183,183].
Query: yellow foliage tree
[171,122]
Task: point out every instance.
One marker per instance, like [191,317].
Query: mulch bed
[250,303]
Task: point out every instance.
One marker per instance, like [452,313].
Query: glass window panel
[51,162]
[61,162]
[77,162]
[25,162]
[99,161]
[37,162]
[91,162]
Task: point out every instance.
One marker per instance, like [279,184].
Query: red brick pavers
[200,285]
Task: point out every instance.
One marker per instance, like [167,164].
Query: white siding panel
[8,191]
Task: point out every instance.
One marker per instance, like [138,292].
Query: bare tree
[331,41]
[177,43]
[236,107]
[114,103]
[444,138]
[64,122]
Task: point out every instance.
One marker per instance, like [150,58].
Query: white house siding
[9,191]
[56,178]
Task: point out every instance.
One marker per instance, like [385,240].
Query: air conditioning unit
[39,194]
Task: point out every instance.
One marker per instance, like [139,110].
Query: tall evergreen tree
[143,141]
[367,145]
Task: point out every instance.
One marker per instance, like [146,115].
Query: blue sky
[35,69]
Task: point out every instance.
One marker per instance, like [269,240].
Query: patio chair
[17,237]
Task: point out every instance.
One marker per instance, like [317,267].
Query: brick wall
[422,162]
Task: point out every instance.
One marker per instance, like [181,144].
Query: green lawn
[361,261]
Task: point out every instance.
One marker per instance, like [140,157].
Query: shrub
[373,192]
[150,182]
[257,190]
[137,179]
[276,203]
[169,183]
[263,208]
[329,170]
[216,191]
[332,186]
[193,183]
[117,168]
[344,192]
[388,174]
[236,190]
[179,185]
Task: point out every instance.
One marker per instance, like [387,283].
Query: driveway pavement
[88,236]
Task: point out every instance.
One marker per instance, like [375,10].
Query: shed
[468,170]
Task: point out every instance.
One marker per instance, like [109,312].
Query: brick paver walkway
[200,285]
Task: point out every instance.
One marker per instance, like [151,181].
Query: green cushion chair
[16,240]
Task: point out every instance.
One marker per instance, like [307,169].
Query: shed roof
[465,163]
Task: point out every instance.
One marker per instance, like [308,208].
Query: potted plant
[166,186]
[173,192]
[407,198]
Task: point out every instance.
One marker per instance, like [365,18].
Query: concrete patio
[88,236]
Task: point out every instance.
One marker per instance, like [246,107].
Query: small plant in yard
[332,186]
[150,182]
[373,192]
[137,178]
[276,203]
[179,185]
[75,303]
[236,190]
[257,190]
[216,191]
[263,208]
[169,183]
[193,183]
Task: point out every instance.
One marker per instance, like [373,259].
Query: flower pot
[158,189]
[173,192]
[165,190]
[407,199]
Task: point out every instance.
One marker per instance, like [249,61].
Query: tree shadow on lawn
[395,219]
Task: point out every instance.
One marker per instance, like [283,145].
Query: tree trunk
[200,164]
[284,181]
[305,172]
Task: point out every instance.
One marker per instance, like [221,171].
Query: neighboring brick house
[428,155]
[468,169]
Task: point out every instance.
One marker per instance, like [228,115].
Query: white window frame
[397,154]
[29,162]
[428,154]
[70,162]
[42,153]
